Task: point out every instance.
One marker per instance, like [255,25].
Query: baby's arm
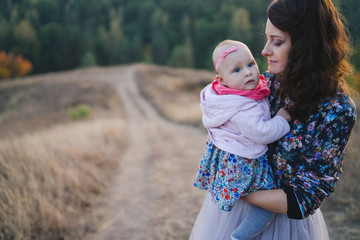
[261,130]
[284,113]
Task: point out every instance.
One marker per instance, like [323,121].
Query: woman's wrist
[293,210]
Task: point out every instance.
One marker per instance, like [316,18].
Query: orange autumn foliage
[13,66]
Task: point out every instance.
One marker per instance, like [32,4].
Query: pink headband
[227,52]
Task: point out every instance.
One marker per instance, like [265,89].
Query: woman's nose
[266,51]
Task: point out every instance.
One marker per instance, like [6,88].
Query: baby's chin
[250,85]
[246,88]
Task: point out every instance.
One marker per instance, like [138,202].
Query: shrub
[81,111]
[13,66]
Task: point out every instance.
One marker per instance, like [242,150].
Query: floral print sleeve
[309,158]
[321,163]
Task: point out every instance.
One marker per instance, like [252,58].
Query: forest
[57,35]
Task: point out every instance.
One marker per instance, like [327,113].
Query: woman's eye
[278,43]
[237,70]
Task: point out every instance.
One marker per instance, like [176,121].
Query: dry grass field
[55,173]
[50,179]
[52,169]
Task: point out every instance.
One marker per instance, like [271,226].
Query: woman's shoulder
[339,108]
[342,102]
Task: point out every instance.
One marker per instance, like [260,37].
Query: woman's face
[276,48]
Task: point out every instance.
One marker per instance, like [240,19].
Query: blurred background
[66,34]
[67,107]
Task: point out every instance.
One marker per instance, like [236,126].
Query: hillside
[126,171]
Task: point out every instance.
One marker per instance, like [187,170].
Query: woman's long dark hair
[318,60]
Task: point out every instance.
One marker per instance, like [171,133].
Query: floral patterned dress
[229,177]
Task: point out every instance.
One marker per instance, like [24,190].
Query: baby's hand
[285,114]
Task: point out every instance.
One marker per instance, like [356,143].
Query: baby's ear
[219,79]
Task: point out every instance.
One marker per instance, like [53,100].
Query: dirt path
[152,195]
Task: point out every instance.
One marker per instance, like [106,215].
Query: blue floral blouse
[308,160]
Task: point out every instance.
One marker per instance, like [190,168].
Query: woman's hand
[273,200]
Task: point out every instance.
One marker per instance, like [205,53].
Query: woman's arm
[317,171]
[273,200]
[282,201]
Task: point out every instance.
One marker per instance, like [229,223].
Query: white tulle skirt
[215,224]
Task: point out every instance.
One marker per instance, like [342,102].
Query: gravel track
[152,196]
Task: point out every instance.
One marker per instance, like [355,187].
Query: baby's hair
[223,46]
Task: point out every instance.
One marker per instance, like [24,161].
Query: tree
[356,57]
[48,11]
[207,35]
[240,26]
[159,48]
[159,41]
[110,41]
[26,41]
[132,49]
[186,29]
[5,38]
[52,50]
[88,60]
[144,12]
[182,55]
[70,43]
[63,34]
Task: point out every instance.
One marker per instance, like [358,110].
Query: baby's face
[239,70]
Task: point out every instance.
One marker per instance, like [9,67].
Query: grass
[40,102]
[175,93]
[50,179]
[53,170]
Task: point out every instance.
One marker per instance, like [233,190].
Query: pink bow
[225,53]
[230,50]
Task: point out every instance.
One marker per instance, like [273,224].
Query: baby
[237,116]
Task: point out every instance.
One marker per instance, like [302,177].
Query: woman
[307,49]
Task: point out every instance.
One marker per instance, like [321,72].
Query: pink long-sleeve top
[240,125]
